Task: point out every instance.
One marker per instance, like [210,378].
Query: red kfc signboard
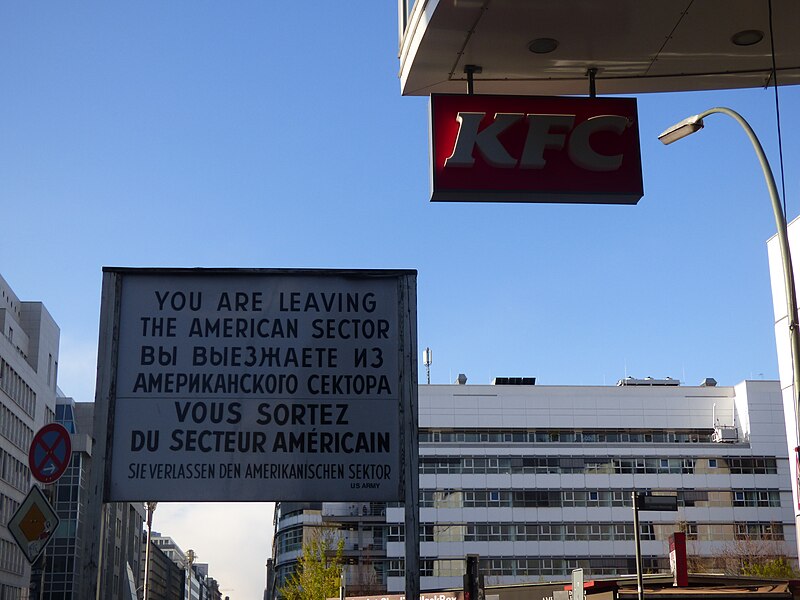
[535,149]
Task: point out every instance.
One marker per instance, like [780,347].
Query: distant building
[29,341]
[270,577]
[212,586]
[122,544]
[196,583]
[167,579]
[538,481]
[200,576]
[294,523]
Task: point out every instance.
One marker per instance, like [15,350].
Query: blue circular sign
[50,452]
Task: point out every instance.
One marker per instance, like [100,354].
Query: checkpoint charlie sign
[535,149]
[257,385]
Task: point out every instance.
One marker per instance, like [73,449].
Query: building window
[426,568]
[764,531]
[395,534]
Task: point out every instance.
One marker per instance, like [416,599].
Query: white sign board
[258,385]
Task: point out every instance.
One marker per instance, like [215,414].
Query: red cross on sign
[50,452]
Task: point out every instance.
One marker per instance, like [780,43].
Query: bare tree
[755,557]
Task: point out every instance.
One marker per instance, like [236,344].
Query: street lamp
[151,507]
[191,556]
[695,123]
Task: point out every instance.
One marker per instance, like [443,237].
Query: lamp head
[680,130]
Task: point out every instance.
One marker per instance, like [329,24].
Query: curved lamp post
[695,123]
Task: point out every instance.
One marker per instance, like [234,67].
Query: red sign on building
[677,559]
[535,149]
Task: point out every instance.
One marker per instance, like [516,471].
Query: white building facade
[28,371]
[784,346]
[538,480]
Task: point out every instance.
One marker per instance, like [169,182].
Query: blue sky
[274,135]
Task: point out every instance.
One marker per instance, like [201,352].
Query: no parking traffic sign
[50,452]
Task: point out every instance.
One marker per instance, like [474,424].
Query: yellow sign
[34,524]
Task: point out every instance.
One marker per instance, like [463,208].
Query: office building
[538,480]
[196,581]
[28,373]
[123,527]
[784,345]
[167,579]
[362,525]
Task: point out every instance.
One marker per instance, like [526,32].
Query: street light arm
[783,241]
[780,218]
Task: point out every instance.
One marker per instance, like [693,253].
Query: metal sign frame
[257,385]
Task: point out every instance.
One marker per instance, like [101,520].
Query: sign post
[577,585]
[257,385]
[647,502]
[48,459]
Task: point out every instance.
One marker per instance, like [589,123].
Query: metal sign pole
[91,568]
[411,438]
[636,537]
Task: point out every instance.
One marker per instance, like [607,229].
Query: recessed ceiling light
[543,45]
[748,37]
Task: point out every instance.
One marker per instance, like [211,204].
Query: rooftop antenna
[427,359]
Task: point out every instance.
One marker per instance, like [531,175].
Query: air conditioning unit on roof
[725,434]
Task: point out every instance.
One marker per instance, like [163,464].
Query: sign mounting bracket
[470,70]
[592,74]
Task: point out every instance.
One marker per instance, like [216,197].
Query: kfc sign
[535,149]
